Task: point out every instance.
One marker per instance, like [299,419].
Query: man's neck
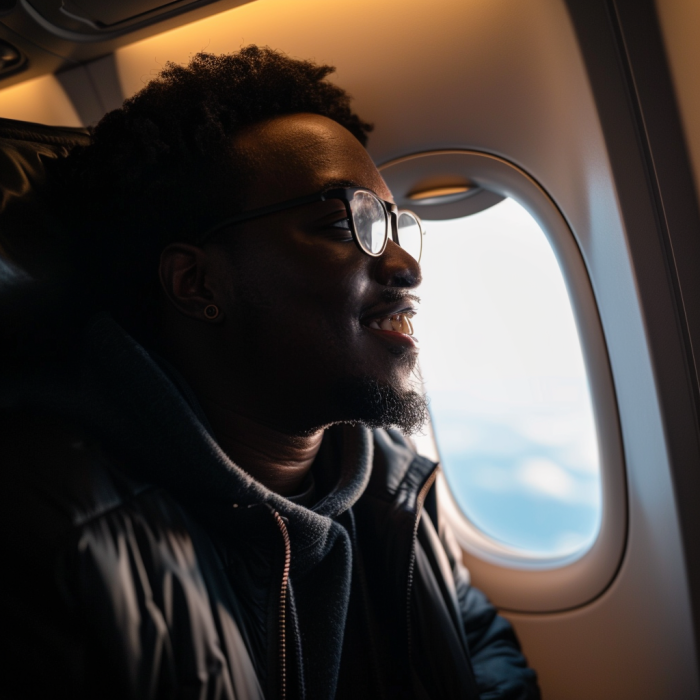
[276,459]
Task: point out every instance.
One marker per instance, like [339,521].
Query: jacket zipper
[420,499]
[282,614]
[360,571]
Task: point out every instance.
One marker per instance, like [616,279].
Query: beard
[376,405]
[365,401]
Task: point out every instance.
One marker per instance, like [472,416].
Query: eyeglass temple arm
[263,211]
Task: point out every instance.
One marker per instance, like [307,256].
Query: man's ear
[185,275]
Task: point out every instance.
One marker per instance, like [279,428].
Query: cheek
[295,306]
[306,298]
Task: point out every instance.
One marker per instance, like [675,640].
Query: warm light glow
[313,29]
[393,85]
[435,195]
[41,100]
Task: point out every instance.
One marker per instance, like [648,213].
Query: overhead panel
[94,17]
[54,35]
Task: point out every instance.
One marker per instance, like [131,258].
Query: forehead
[300,154]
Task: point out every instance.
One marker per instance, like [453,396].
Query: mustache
[393,294]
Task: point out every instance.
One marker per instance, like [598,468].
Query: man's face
[298,295]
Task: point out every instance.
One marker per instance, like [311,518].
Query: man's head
[292,342]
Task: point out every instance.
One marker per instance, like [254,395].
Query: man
[196,507]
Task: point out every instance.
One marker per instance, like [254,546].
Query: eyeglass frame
[342,193]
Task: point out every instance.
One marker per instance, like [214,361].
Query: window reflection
[503,368]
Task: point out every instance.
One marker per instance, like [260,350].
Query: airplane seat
[31,255]
[25,149]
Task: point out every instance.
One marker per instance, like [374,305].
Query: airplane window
[509,397]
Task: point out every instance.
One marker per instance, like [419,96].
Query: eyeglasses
[369,216]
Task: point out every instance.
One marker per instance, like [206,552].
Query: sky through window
[503,368]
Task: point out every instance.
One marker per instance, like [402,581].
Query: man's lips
[394,336]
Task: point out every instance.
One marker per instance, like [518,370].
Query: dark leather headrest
[33,292]
[25,149]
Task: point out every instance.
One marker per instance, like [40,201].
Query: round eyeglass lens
[369,216]
[410,234]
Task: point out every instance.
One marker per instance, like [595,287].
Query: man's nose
[396,268]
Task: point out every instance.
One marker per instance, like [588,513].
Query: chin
[377,404]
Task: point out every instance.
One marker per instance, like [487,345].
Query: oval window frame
[515,580]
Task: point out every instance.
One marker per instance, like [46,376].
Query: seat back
[25,223]
[32,291]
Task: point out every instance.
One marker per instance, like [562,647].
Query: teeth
[400,323]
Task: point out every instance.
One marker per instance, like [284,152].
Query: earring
[211,311]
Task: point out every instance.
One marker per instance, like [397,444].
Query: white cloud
[545,478]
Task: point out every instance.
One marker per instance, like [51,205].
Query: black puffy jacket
[140,562]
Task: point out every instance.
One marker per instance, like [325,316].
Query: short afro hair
[160,168]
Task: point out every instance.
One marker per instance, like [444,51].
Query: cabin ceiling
[472,74]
